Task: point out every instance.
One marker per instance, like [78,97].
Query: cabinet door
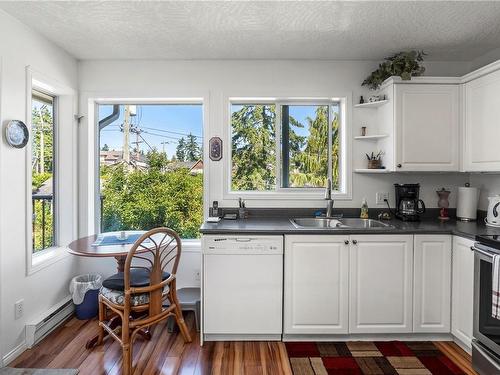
[381,284]
[432,283]
[462,290]
[316,284]
[482,124]
[427,127]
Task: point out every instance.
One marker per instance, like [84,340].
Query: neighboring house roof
[115,157]
[193,166]
[46,188]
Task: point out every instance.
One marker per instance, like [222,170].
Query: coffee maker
[407,202]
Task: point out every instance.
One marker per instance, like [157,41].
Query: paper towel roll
[467,203]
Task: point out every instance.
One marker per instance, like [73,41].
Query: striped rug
[369,358]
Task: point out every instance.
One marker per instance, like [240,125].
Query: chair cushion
[118,297]
[139,277]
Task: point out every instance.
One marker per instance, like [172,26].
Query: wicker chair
[145,287]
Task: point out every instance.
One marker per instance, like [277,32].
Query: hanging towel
[495,287]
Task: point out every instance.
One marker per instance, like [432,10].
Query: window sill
[45,258]
[316,194]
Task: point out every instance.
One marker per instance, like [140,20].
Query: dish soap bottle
[364,209]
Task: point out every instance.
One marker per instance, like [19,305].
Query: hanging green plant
[402,64]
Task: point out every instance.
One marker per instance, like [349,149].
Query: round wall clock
[17,134]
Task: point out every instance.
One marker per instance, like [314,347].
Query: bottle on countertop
[364,209]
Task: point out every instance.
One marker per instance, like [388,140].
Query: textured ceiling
[263,29]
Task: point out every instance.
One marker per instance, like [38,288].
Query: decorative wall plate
[215,147]
[17,134]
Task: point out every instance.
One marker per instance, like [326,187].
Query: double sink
[341,223]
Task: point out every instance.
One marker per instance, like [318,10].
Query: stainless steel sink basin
[344,223]
[320,222]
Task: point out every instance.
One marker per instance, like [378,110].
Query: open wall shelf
[372,104]
[366,170]
[371,137]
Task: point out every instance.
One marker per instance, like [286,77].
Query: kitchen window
[287,146]
[150,167]
[43,177]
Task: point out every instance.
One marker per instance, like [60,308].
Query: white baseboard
[467,347]
[24,345]
[370,337]
[14,353]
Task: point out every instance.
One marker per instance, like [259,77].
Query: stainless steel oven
[486,342]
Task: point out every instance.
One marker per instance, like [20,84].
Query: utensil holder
[374,164]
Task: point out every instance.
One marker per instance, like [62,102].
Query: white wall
[217,80]
[20,47]
[489,185]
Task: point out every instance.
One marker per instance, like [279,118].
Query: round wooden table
[83,247]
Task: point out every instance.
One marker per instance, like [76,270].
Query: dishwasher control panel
[243,245]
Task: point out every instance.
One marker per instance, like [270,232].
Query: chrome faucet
[328,198]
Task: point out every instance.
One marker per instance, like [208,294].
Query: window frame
[291,193]
[55,166]
[64,106]
[94,105]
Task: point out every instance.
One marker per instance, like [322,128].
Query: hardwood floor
[457,355]
[166,353]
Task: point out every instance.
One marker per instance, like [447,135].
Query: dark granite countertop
[282,225]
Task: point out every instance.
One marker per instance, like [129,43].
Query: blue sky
[169,122]
[158,123]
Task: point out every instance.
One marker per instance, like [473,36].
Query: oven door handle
[482,252]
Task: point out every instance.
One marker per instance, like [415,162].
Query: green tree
[309,167]
[253,147]
[145,199]
[42,138]
[105,147]
[180,151]
[193,151]
[42,169]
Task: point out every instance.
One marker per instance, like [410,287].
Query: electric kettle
[493,217]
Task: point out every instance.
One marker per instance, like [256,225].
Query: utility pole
[137,132]
[126,135]
[163,145]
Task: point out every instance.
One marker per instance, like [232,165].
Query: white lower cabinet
[337,284]
[463,290]
[316,284]
[432,283]
[381,284]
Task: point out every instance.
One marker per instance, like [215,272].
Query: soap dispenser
[364,209]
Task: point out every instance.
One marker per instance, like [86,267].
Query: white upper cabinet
[426,127]
[432,283]
[482,124]
[316,284]
[381,284]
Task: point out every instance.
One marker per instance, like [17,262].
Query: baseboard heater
[48,321]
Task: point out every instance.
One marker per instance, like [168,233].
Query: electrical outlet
[197,276]
[19,309]
[380,197]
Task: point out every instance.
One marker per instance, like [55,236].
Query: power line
[166,136]
[153,134]
[171,131]
[152,149]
